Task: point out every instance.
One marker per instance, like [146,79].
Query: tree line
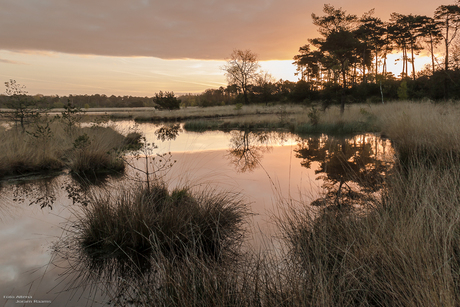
[348,61]
[82,101]
[353,50]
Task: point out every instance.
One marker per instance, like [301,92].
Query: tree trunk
[446,61]
[342,95]
[432,53]
[364,67]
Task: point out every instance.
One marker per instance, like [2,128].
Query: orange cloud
[195,29]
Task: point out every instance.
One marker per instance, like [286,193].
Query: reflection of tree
[247,148]
[168,132]
[38,192]
[351,169]
[80,187]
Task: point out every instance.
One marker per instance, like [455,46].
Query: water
[263,166]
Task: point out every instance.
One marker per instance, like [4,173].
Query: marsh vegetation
[384,230]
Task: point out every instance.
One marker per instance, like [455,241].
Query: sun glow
[394,63]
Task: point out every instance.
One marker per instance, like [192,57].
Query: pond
[263,167]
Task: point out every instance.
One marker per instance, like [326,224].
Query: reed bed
[422,131]
[193,113]
[56,147]
[404,253]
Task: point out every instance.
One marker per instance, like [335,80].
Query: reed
[404,252]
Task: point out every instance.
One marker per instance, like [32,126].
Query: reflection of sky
[186,141]
[26,236]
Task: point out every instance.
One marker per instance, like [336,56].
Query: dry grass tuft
[164,224]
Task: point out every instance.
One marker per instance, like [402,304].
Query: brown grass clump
[157,222]
[22,154]
[96,150]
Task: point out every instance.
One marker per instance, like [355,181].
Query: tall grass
[404,253]
[422,131]
[83,150]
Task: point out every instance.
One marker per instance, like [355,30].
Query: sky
[139,47]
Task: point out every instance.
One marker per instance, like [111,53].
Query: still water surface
[263,166]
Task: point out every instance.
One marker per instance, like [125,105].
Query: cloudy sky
[138,47]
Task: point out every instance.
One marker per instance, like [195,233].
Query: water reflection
[90,271]
[349,169]
[247,147]
[79,188]
[43,192]
[38,192]
[352,169]
[168,132]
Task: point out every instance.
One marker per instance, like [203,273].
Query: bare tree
[23,108]
[241,70]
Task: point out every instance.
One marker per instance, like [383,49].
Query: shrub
[314,116]
[166,100]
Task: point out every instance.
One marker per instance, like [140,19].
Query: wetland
[238,217]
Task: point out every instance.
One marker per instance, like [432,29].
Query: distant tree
[339,45]
[308,64]
[241,70]
[398,31]
[342,46]
[334,20]
[430,32]
[166,100]
[264,86]
[371,33]
[23,108]
[449,18]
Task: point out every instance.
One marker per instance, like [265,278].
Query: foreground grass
[403,253]
[84,151]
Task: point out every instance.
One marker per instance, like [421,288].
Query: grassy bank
[392,119]
[193,113]
[53,146]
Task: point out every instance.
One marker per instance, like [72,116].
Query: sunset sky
[140,47]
